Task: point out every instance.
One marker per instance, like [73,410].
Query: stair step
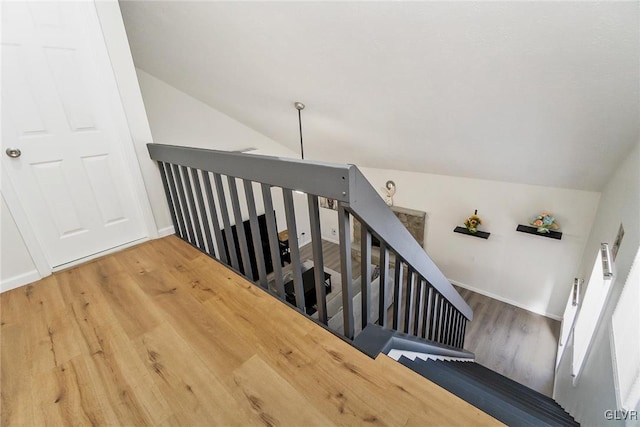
[523,398]
[472,393]
[511,407]
[513,387]
[413,355]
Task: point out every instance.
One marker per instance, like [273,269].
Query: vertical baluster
[447,324]
[224,212]
[170,200]
[397,293]
[458,325]
[419,308]
[464,330]
[428,294]
[434,316]
[183,202]
[365,274]
[409,297]
[440,319]
[452,325]
[383,284]
[255,233]
[296,265]
[318,262]
[195,174]
[456,333]
[217,231]
[194,211]
[242,236]
[345,267]
[274,245]
[182,229]
[443,325]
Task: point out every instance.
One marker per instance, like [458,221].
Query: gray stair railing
[424,303]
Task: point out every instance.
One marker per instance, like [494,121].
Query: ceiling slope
[543,93]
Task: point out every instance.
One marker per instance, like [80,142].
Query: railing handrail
[342,182]
[367,205]
[321,179]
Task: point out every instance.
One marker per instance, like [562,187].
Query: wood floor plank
[130,305]
[256,381]
[162,335]
[192,390]
[16,399]
[120,375]
[209,333]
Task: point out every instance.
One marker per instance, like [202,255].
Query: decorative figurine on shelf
[544,222]
[473,222]
[390,189]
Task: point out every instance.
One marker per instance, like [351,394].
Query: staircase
[204,212]
[504,399]
[411,309]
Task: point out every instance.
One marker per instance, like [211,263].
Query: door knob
[13,152]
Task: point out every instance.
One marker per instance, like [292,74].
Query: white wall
[17,267]
[594,391]
[528,271]
[178,119]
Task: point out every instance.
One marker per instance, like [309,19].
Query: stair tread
[497,408]
[510,386]
[498,403]
[518,396]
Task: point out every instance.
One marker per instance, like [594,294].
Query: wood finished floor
[513,342]
[509,340]
[160,334]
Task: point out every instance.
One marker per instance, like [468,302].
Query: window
[625,341]
[568,317]
[594,300]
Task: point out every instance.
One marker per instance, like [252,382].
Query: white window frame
[591,307]
[625,351]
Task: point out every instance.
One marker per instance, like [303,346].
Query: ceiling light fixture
[300,106]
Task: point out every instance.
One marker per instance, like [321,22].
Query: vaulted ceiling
[541,93]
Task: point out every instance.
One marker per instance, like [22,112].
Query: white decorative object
[390,190]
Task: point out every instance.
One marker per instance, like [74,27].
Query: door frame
[121,63]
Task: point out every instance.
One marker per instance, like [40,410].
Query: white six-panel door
[71,178]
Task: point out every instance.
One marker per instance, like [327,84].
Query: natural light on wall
[594,300]
[625,341]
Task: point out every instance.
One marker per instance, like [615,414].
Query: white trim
[19,280]
[99,254]
[331,239]
[119,59]
[413,355]
[166,231]
[24,227]
[506,300]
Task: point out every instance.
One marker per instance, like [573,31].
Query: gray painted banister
[369,208]
[423,302]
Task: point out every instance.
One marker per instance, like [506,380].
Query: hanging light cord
[300,125]
[300,106]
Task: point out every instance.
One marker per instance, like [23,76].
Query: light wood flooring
[160,334]
[509,340]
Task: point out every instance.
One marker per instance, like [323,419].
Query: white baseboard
[331,239]
[506,300]
[19,280]
[166,231]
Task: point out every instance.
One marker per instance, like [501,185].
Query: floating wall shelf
[534,230]
[480,234]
